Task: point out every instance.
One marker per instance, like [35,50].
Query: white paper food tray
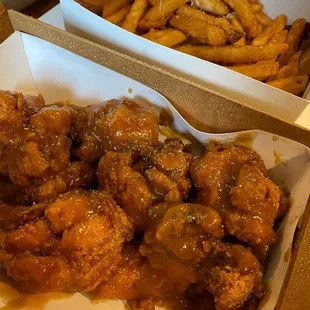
[32,65]
[218,79]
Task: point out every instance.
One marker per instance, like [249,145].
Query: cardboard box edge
[6,28]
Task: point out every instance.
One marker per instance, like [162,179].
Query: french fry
[259,71]
[293,40]
[237,25]
[232,33]
[157,16]
[111,7]
[153,2]
[279,37]
[216,7]
[291,69]
[133,17]
[119,16]
[275,26]
[199,29]
[246,16]
[235,54]
[256,7]
[294,85]
[253,1]
[94,6]
[263,18]
[168,37]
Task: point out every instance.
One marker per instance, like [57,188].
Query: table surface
[49,11]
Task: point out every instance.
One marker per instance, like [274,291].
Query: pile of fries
[234,33]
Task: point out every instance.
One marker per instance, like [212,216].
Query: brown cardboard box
[203,110]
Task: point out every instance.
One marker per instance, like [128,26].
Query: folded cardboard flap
[6,28]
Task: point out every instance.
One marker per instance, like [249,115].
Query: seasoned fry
[256,7]
[199,29]
[259,71]
[237,25]
[291,69]
[294,85]
[156,17]
[216,7]
[233,34]
[246,16]
[275,26]
[263,18]
[253,1]
[293,40]
[235,54]
[168,37]
[133,17]
[279,37]
[111,7]
[119,16]
[153,2]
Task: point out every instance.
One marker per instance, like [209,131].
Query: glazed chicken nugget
[199,29]
[119,16]
[246,16]
[279,37]
[216,7]
[235,54]
[232,33]
[111,7]
[294,85]
[136,12]
[157,16]
[167,37]
[293,40]
[275,26]
[259,71]
[262,18]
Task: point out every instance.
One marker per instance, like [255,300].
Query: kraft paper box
[39,58]
[218,79]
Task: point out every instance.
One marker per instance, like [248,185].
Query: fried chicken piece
[256,200]
[114,126]
[182,227]
[39,163]
[233,274]
[11,216]
[169,158]
[173,244]
[214,173]
[162,188]
[74,247]
[124,284]
[127,186]
[15,110]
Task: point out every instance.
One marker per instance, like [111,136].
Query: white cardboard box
[218,79]
[61,75]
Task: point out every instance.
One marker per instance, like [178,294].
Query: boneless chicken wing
[127,186]
[169,158]
[114,126]
[256,200]
[233,274]
[76,245]
[39,160]
[233,180]
[214,174]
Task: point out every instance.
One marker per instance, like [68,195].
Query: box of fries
[254,52]
[35,57]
